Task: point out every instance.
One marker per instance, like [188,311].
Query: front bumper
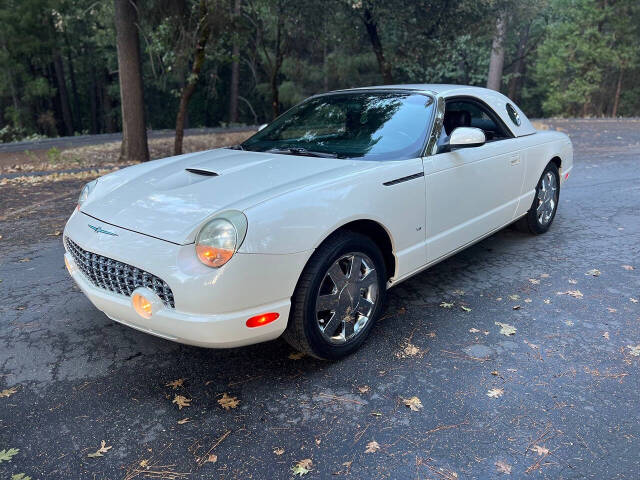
[211,305]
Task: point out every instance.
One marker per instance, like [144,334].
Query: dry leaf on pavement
[372,447]
[181,401]
[278,451]
[506,329]
[296,356]
[503,467]
[474,330]
[540,450]
[465,309]
[635,351]
[302,467]
[413,403]
[8,392]
[633,300]
[184,420]
[572,293]
[495,393]
[628,267]
[101,451]
[364,389]
[228,402]
[446,305]
[534,281]
[176,383]
[514,297]
[594,272]
[212,458]
[547,301]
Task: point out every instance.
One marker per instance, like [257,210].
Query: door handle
[515,160]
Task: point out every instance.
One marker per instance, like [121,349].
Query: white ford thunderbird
[300,230]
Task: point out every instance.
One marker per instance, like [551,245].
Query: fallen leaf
[547,301]
[24,260]
[499,299]
[633,300]
[572,281]
[411,350]
[503,467]
[20,476]
[318,441]
[446,305]
[296,356]
[8,392]
[278,451]
[413,403]
[594,272]
[101,451]
[534,281]
[183,421]
[376,414]
[212,458]
[465,309]
[527,300]
[568,323]
[176,383]
[181,401]
[458,292]
[540,450]
[612,310]
[514,297]
[372,447]
[635,351]
[302,467]
[628,267]
[57,233]
[544,275]
[516,307]
[572,293]
[495,393]
[364,389]
[532,345]
[506,329]
[495,372]
[432,334]
[6,455]
[228,402]
[144,463]
[474,330]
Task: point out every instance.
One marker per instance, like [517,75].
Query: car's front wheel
[545,204]
[338,298]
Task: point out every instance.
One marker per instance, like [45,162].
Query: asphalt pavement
[557,399]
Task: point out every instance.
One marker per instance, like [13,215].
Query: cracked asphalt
[566,383]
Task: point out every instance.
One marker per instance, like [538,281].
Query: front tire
[545,203]
[338,298]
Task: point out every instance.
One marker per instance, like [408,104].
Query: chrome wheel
[346,298]
[547,198]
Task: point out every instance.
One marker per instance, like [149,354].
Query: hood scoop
[202,171]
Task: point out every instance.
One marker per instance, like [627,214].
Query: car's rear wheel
[338,298]
[545,203]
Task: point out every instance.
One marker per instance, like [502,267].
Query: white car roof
[495,100]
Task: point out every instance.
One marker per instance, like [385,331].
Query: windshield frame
[380,90]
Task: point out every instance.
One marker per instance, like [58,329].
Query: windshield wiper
[302,152]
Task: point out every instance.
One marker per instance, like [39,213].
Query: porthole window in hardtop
[513,114]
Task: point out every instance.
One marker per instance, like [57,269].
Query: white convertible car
[300,230]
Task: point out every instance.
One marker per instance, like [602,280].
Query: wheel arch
[376,232]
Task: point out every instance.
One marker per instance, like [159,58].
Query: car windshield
[368,125]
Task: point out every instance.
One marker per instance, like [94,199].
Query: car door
[471,192]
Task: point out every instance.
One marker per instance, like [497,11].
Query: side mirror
[465,137]
[262,126]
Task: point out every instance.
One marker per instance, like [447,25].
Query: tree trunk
[192,80]
[515,83]
[63,95]
[74,87]
[134,133]
[616,98]
[235,70]
[279,57]
[372,30]
[496,63]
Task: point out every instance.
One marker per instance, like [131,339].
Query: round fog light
[142,305]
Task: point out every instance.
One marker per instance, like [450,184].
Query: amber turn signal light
[141,305]
[264,319]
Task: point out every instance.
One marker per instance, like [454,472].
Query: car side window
[467,113]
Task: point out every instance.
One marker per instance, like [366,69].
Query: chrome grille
[118,277]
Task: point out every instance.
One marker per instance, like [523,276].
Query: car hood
[170,198]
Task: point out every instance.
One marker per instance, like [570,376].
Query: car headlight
[220,238]
[85,192]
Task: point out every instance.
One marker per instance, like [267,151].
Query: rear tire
[338,298]
[545,203]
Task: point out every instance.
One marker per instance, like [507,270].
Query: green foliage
[562,57]
[7,455]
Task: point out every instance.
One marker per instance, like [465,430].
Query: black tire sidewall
[351,243]
[534,225]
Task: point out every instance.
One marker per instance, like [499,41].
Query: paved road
[83,140]
[568,381]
